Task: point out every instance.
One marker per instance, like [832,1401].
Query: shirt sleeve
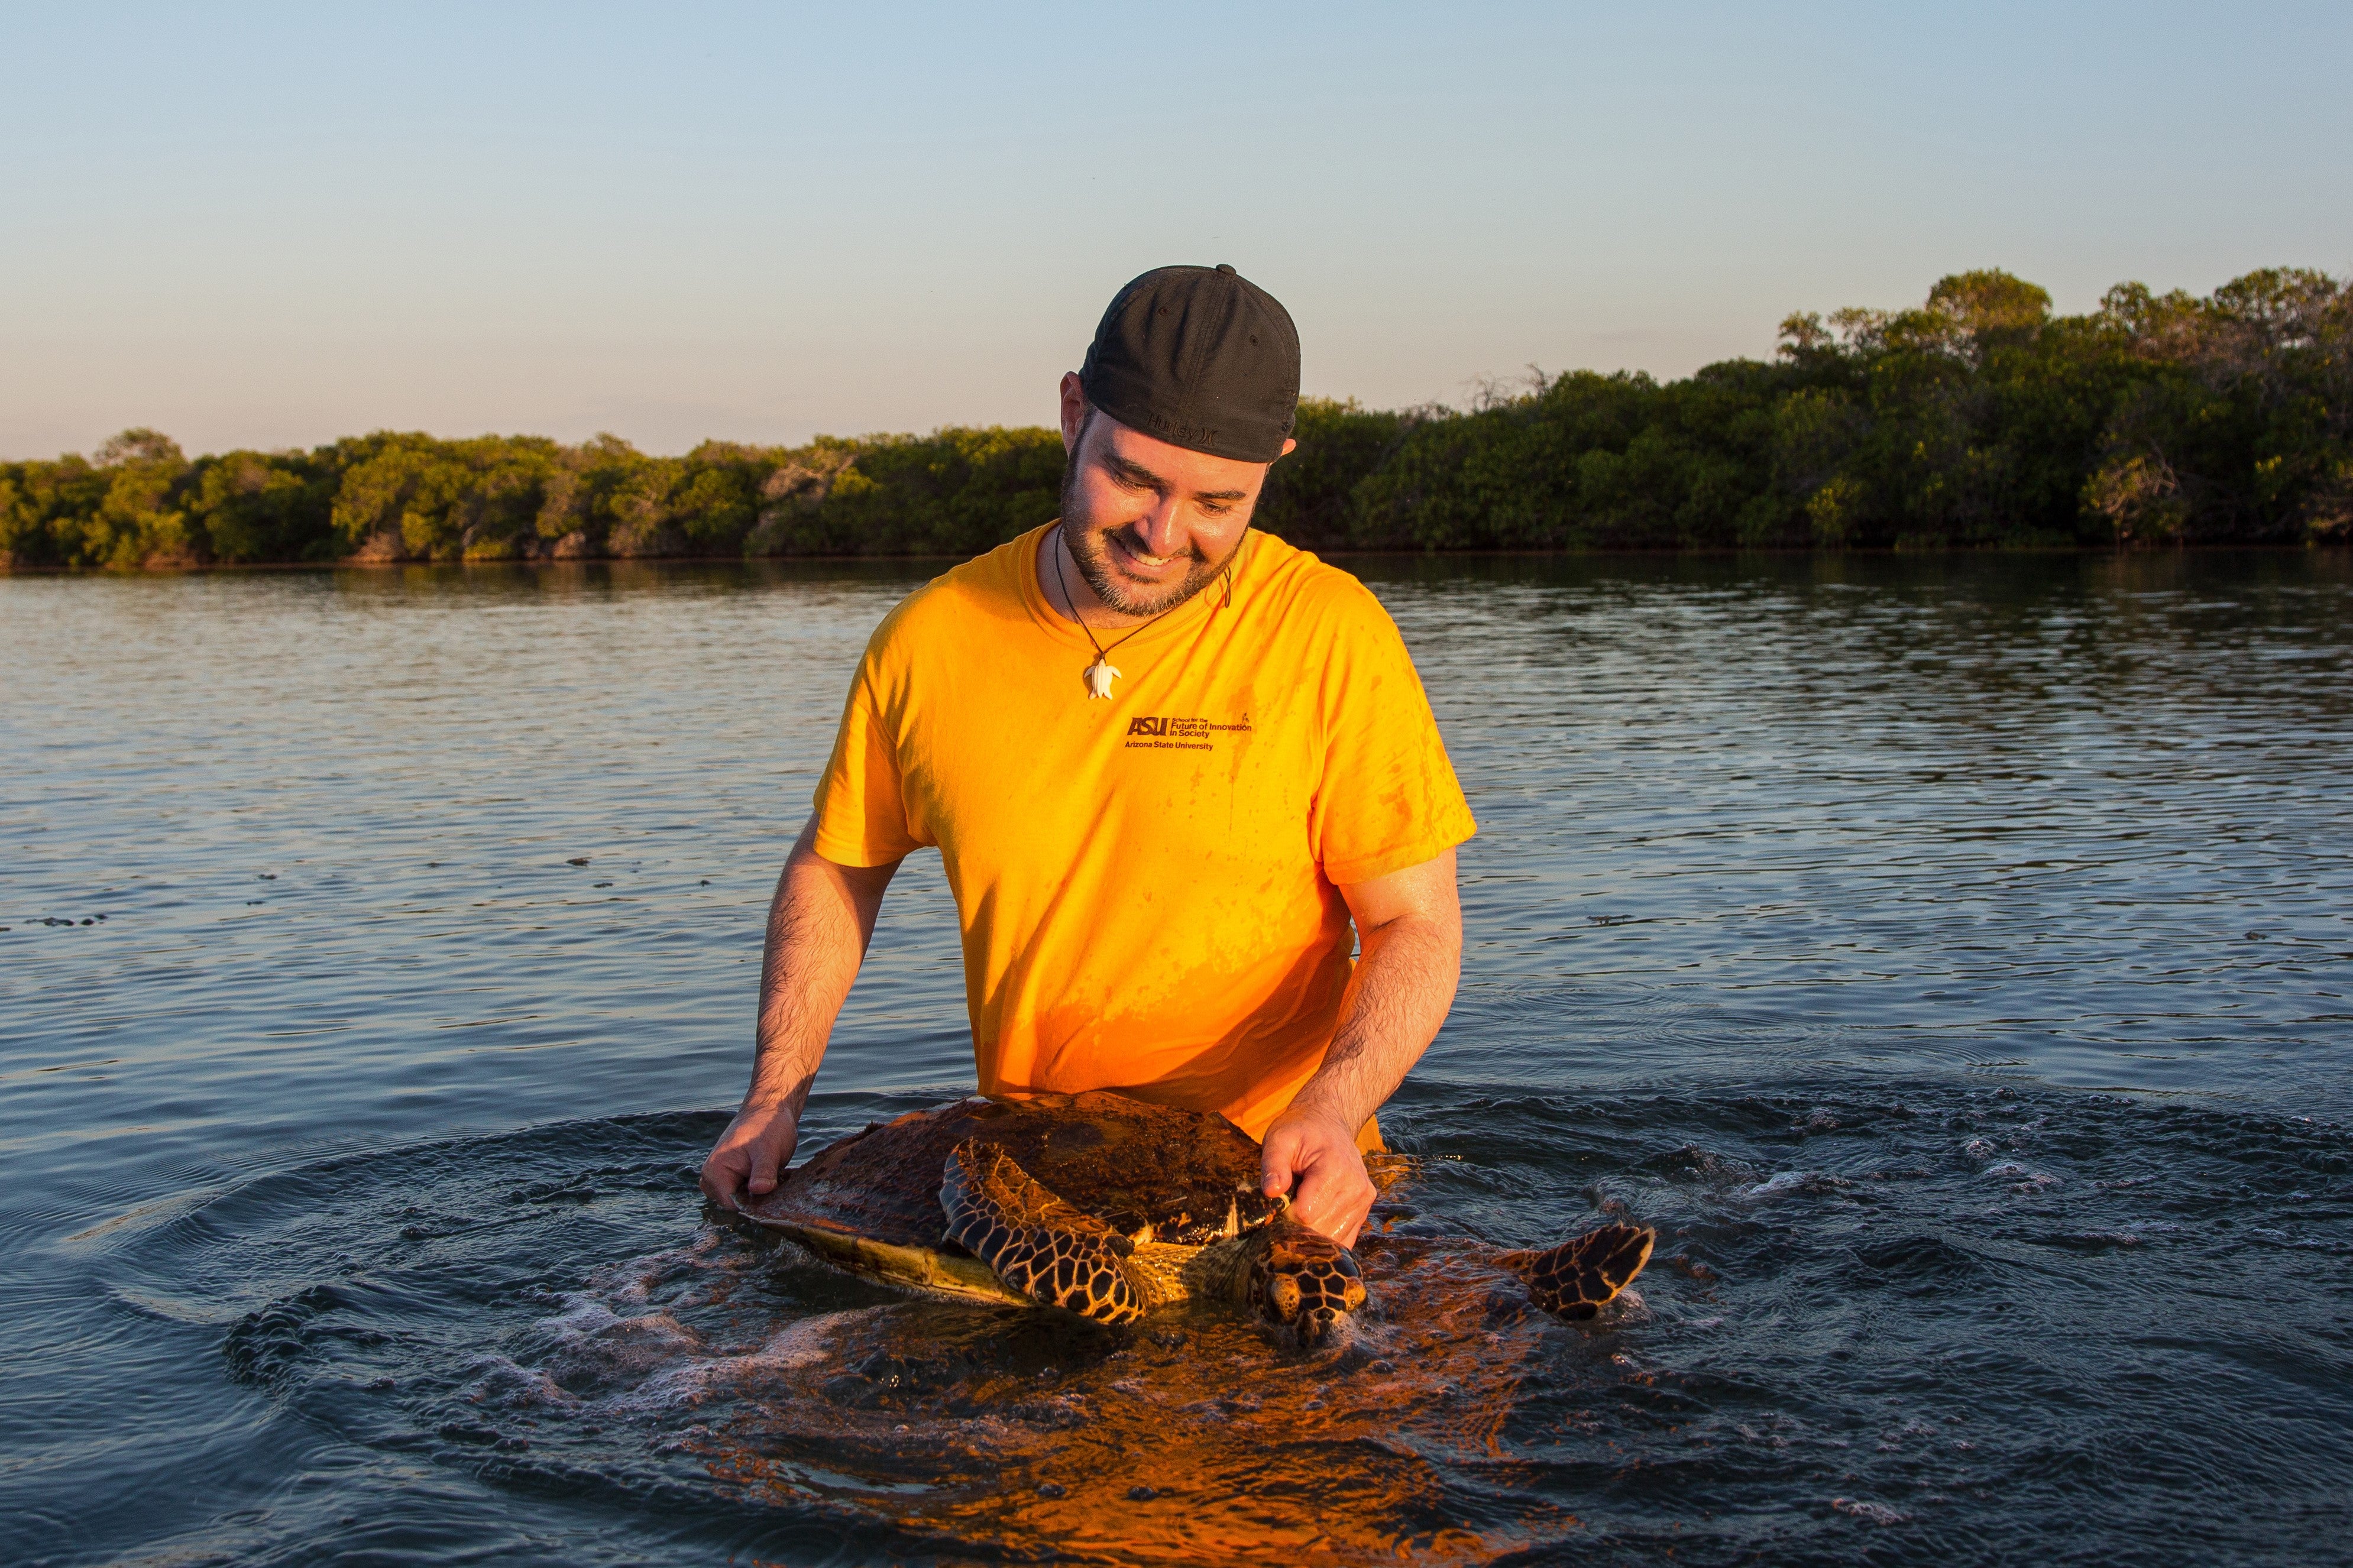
[861,803]
[1389,799]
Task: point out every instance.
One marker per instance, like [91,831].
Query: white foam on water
[804,1342]
[505,1384]
[632,1283]
[2021,1181]
[1791,1184]
[581,1317]
[2304,1243]
[1872,1512]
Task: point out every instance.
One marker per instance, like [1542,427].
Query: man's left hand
[1318,1151]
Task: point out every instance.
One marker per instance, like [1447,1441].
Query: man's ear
[1074,411]
[1289,444]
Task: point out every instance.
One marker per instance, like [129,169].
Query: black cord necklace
[1101,672]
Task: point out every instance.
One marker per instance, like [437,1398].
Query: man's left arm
[1409,935]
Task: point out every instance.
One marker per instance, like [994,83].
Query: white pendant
[1099,675]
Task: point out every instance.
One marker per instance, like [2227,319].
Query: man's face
[1148,524]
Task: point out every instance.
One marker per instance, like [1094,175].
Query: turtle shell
[1188,1174]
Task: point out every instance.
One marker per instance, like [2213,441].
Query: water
[1950,957]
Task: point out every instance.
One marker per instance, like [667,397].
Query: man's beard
[1091,555]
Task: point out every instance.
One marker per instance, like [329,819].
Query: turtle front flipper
[1580,1277]
[1049,1250]
[1303,1280]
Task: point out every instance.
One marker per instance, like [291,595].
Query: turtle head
[1303,1280]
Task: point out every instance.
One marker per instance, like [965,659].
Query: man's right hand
[746,1162]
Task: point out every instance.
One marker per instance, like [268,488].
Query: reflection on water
[2019,1322]
[1948,956]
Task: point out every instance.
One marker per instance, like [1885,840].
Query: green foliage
[1977,418]
[1306,498]
[253,506]
[953,492]
[49,512]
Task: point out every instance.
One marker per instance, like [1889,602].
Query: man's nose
[1161,531]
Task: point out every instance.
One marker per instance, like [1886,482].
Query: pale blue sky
[270,226]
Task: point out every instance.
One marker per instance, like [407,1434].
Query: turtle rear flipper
[1580,1277]
[1053,1253]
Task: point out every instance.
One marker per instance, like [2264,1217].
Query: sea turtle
[1110,1206]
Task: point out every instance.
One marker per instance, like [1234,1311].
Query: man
[1167,763]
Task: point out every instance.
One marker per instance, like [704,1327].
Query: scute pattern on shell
[1183,1173]
[1173,1211]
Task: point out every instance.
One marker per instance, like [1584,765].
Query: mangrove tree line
[1978,418]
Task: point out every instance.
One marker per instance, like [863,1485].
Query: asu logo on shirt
[1179,735]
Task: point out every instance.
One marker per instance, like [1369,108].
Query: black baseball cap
[1200,357]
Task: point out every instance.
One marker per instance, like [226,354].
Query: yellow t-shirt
[1147,885]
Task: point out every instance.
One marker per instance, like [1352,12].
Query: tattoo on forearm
[1395,1003]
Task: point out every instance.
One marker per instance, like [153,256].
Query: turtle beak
[1314,1328]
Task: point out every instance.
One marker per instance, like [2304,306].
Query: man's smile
[1144,566]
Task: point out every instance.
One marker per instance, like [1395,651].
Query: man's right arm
[819,926]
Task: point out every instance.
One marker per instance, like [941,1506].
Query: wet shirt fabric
[1148,886]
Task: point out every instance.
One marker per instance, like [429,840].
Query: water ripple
[1952,957]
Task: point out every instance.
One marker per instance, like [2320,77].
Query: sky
[269,227]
